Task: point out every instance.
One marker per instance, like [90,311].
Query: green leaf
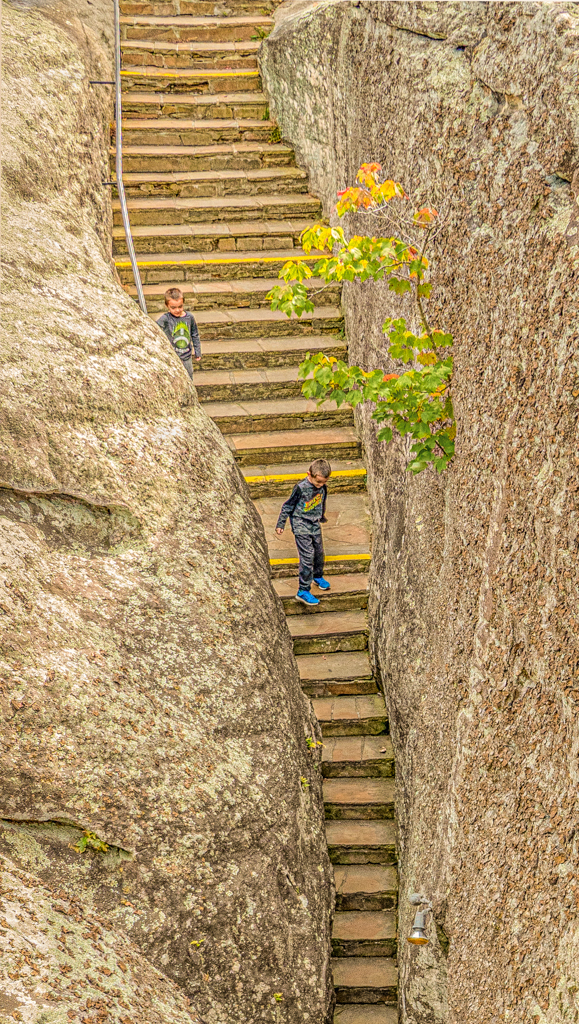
[399,285]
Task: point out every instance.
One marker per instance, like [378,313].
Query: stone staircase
[217,206]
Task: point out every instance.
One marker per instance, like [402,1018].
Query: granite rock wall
[474,575]
[150,698]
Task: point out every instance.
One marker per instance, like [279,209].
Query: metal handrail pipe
[119,161]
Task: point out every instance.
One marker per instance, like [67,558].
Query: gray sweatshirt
[182,332]
[305,508]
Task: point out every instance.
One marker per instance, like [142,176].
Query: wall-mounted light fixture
[418,936]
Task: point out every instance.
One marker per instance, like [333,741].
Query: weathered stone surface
[472,592]
[149,690]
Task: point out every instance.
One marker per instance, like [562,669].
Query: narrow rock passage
[217,205]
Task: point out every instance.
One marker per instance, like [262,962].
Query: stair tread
[356,707]
[214,149]
[261,374]
[186,124]
[360,833]
[195,99]
[366,1013]
[218,202]
[364,971]
[144,71]
[238,286]
[347,665]
[271,407]
[292,472]
[165,177]
[347,529]
[345,583]
[262,315]
[355,748]
[364,924]
[328,624]
[219,228]
[208,47]
[358,791]
[211,258]
[285,438]
[368,878]
[186,20]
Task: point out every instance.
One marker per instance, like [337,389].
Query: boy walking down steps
[306,509]
[181,329]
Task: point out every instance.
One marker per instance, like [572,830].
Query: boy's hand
[279,530]
[197,359]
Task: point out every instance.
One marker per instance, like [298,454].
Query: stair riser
[154,244]
[273,489]
[366,727]
[293,211]
[358,769]
[242,300]
[172,164]
[179,273]
[194,33]
[349,688]
[288,569]
[362,855]
[366,901]
[196,136]
[331,645]
[260,424]
[358,812]
[272,329]
[215,188]
[256,392]
[303,453]
[366,995]
[198,8]
[329,603]
[361,947]
[254,360]
[241,110]
[188,60]
[136,81]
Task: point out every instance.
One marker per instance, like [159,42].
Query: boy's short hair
[173,293]
[320,467]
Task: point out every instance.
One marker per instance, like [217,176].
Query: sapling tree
[416,401]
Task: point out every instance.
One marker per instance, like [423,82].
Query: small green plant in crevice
[304,782]
[312,744]
[416,402]
[265,115]
[275,135]
[90,841]
[260,33]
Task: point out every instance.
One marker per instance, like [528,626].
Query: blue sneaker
[306,598]
[322,583]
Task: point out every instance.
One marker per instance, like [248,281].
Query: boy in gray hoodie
[305,509]
[181,329]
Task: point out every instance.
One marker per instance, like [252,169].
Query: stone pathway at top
[217,205]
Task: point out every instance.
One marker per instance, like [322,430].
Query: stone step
[243,294]
[294,446]
[180,80]
[248,385]
[280,414]
[216,266]
[254,353]
[371,1013]
[232,324]
[346,533]
[214,184]
[355,756]
[221,237]
[198,8]
[186,28]
[167,132]
[364,798]
[354,717]
[231,105]
[268,481]
[331,674]
[365,979]
[348,591]
[329,632]
[364,933]
[365,886]
[361,842]
[206,55]
[161,210]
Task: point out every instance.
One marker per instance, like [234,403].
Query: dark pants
[311,551]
